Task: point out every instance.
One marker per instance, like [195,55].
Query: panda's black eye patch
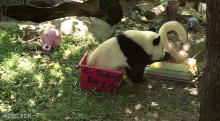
[156,41]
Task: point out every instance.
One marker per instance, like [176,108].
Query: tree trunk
[210,81]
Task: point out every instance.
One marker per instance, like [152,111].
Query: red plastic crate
[99,79]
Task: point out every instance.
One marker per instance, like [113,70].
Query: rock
[98,27]
[80,26]
[77,26]
[7,24]
[127,6]
[8,2]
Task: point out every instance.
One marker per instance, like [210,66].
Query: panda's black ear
[156,41]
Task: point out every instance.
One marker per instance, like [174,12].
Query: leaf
[67,118]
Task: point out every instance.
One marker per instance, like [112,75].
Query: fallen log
[40,14]
[156,11]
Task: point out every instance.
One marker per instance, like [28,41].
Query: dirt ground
[160,100]
[163,100]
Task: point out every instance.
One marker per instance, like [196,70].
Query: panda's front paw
[166,57]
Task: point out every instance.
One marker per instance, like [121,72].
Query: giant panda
[133,50]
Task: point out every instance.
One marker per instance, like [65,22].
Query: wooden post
[209,82]
[171,10]
[1,13]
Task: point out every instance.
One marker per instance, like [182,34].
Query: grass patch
[45,86]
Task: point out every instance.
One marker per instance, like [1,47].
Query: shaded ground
[159,100]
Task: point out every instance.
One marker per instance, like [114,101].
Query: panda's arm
[135,72]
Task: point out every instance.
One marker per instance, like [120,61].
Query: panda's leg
[135,73]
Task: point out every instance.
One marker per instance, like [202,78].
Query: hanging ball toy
[51,38]
[193,24]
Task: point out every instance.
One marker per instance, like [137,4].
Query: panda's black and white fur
[132,49]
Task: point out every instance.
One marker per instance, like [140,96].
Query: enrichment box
[99,79]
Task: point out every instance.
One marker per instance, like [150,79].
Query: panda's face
[149,41]
[158,52]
